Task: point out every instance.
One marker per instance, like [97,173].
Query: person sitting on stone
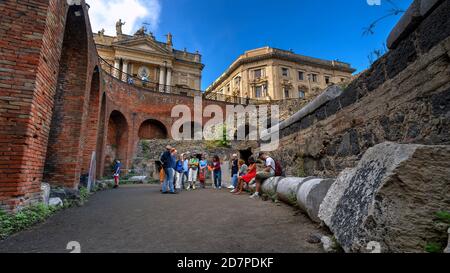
[246,174]
[267,172]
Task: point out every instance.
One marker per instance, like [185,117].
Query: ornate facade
[146,59]
[274,74]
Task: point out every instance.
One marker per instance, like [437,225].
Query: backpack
[278,169]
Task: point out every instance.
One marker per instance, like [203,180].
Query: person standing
[185,169]
[179,173]
[193,172]
[168,163]
[217,172]
[269,171]
[203,165]
[116,173]
[234,172]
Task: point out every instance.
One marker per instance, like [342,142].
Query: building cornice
[279,54]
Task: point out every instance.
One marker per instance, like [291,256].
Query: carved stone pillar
[168,80]
[162,78]
[116,72]
[125,70]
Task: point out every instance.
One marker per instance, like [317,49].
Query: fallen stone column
[288,187]
[311,194]
[390,198]
[269,186]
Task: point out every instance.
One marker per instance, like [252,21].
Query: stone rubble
[390,197]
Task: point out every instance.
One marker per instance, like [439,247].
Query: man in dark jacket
[168,164]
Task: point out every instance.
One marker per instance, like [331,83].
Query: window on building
[301,93]
[286,92]
[258,91]
[301,75]
[313,77]
[285,72]
[327,80]
[237,81]
[257,73]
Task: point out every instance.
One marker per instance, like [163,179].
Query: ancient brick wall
[404,97]
[31,46]
[143,114]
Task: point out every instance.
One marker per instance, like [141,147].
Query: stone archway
[64,148]
[101,136]
[92,122]
[116,140]
[152,129]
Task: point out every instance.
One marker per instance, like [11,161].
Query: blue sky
[223,29]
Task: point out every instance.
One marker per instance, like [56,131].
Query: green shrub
[434,248]
[443,216]
[84,195]
[11,223]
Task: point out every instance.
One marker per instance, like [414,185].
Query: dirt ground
[138,218]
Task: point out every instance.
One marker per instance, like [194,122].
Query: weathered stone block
[311,194]
[439,22]
[138,179]
[391,197]
[329,204]
[332,107]
[406,23]
[348,97]
[45,193]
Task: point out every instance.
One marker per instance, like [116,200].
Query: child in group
[203,164]
[242,171]
[193,172]
[116,173]
[179,173]
[251,173]
[217,172]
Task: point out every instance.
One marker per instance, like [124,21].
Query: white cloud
[105,14]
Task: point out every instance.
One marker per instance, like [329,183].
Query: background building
[274,74]
[142,56]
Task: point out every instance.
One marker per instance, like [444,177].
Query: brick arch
[116,140]
[101,135]
[152,129]
[64,149]
[92,122]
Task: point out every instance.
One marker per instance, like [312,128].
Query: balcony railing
[150,86]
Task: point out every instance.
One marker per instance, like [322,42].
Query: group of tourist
[180,172]
[243,174]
